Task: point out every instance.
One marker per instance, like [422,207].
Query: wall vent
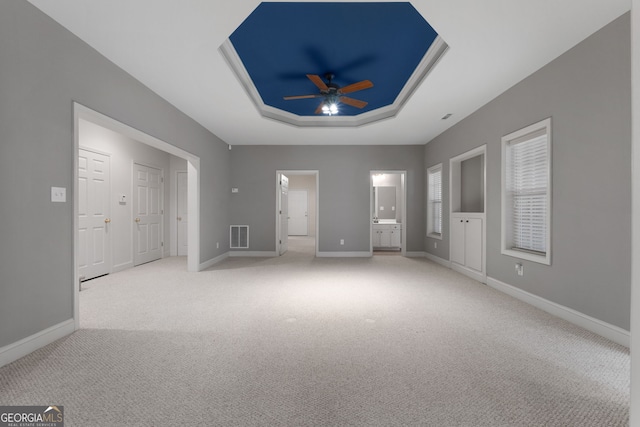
[239,237]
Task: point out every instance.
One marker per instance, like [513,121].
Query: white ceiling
[172,47]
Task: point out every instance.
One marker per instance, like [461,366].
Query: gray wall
[586,91]
[44,69]
[344,186]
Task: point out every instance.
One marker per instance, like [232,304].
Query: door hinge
[161,243]
[161,211]
[280,212]
[280,241]
[162,179]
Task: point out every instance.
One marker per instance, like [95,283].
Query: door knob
[107,220]
[137,219]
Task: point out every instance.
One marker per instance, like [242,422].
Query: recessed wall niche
[467,182]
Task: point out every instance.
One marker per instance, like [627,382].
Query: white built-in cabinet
[467,218]
[387,235]
[467,240]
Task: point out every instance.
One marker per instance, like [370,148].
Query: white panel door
[94,252]
[284,212]
[298,213]
[473,243]
[183,217]
[147,211]
[457,240]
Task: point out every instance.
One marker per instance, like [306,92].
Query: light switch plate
[58,194]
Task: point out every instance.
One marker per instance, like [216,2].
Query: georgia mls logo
[32,416]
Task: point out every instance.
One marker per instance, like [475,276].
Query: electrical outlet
[342,241]
[519,269]
[217,245]
[435,245]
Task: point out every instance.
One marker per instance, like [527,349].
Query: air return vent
[239,237]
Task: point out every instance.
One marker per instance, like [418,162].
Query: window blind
[527,188]
[435,201]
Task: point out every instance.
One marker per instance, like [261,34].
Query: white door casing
[298,213]
[182,215]
[283,202]
[147,211]
[94,251]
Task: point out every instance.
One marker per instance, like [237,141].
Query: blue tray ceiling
[279,43]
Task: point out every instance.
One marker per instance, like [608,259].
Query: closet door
[473,243]
[457,240]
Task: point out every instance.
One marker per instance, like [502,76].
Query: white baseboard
[122,267]
[438,260]
[254,253]
[611,332]
[18,349]
[353,254]
[475,275]
[213,261]
[415,254]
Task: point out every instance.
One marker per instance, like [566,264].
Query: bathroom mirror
[384,202]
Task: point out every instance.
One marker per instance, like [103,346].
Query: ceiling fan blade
[289,98]
[319,109]
[353,102]
[365,84]
[318,82]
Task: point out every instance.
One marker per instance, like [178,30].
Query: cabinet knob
[467,220]
[461,221]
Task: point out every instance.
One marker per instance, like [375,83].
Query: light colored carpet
[302,341]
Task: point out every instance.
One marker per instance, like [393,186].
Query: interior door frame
[173,223]
[193,188]
[403,183]
[288,173]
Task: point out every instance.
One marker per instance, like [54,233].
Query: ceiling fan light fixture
[330,109]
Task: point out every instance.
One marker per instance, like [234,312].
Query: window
[526,193]
[434,198]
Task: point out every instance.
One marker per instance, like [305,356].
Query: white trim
[611,332]
[504,209]
[437,259]
[353,254]
[634,416]
[469,272]
[12,352]
[213,261]
[433,55]
[253,254]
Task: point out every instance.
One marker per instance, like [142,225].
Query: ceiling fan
[333,94]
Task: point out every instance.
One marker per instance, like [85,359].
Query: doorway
[297,213]
[388,220]
[82,113]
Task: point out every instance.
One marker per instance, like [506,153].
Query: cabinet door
[376,238]
[395,238]
[473,246]
[457,240]
[385,238]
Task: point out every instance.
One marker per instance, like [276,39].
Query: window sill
[529,256]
